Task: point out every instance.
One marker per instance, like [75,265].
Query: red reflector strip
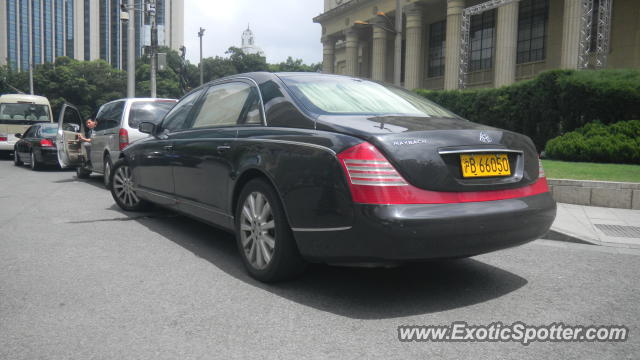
[413,195]
[46,143]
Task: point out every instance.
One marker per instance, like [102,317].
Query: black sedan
[37,146]
[306,167]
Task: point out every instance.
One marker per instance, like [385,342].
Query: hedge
[595,142]
[551,104]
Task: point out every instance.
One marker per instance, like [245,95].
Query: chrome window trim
[340,228]
[277,141]
[264,115]
[479,150]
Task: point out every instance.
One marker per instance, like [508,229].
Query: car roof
[137,99]
[15,98]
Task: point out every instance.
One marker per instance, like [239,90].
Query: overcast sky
[281,27]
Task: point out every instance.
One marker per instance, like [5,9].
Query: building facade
[450,44]
[248,43]
[38,31]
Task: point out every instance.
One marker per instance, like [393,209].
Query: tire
[35,165]
[122,189]
[275,238]
[107,172]
[82,173]
[16,159]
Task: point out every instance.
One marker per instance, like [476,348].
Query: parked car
[117,127]
[37,146]
[334,169]
[17,113]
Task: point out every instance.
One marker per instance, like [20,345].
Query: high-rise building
[42,30]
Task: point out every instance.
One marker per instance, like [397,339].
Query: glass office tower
[38,31]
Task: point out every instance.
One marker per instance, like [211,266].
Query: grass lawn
[591,171]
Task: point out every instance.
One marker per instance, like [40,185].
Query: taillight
[365,165]
[3,137]
[540,169]
[123,138]
[46,143]
[373,180]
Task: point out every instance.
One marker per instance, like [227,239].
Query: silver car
[118,127]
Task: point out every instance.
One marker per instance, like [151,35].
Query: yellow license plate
[483,165]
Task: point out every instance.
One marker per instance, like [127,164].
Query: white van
[17,113]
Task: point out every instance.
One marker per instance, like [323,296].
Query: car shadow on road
[361,293]
[94,180]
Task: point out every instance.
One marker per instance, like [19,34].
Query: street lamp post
[200,34]
[131,48]
[151,10]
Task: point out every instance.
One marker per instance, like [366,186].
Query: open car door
[70,150]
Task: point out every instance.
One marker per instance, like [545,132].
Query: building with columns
[450,44]
[42,30]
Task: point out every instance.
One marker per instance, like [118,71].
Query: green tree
[291,65]
[89,84]
[246,62]
[215,68]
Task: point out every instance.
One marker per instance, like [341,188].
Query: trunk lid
[427,151]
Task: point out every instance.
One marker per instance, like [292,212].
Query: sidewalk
[597,225]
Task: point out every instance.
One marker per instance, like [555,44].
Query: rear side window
[149,111]
[110,115]
[229,104]
[47,131]
[31,132]
[177,117]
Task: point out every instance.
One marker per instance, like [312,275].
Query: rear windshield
[150,111]
[24,112]
[48,130]
[351,96]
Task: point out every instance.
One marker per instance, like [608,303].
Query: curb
[622,195]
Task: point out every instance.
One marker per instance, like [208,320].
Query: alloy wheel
[34,165]
[123,186]
[257,230]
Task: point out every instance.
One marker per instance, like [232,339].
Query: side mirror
[147,127]
[18,135]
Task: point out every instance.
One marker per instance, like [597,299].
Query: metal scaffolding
[603,30]
[466,28]
[585,34]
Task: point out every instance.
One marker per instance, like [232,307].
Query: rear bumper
[7,145]
[48,156]
[390,233]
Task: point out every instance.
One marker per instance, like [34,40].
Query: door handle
[168,147]
[223,148]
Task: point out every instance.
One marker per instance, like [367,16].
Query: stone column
[413,57]
[328,54]
[351,52]
[506,45]
[452,51]
[379,54]
[571,24]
